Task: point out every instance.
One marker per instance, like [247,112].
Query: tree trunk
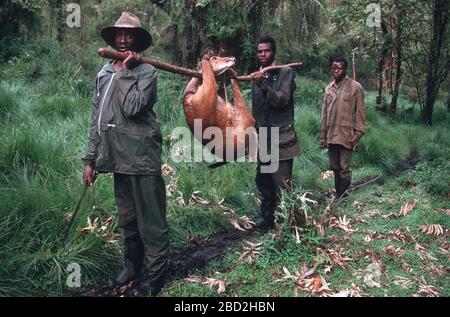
[255,17]
[398,50]
[435,73]
[60,21]
[383,56]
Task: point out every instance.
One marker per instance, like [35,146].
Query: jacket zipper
[103,102]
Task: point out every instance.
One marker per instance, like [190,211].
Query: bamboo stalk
[181,70]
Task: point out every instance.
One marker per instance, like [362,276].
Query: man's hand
[323,144]
[89,175]
[132,60]
[355,139]
[258,77]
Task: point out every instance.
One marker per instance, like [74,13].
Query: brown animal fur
[202,100]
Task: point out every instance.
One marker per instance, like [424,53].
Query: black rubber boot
[266,220]
[134,256]
[150,287]
[337,185]
[345,184]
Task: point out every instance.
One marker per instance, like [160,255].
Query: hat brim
[142,39]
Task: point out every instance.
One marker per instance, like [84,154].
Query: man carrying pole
[125,139]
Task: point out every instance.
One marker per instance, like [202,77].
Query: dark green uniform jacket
[124,134]
[274,107]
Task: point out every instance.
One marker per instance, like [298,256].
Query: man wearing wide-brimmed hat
[125,139]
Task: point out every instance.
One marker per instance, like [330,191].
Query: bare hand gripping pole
[180,70]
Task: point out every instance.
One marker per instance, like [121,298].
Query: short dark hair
[340,59]
[268,39]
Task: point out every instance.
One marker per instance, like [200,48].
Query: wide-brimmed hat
[142,39]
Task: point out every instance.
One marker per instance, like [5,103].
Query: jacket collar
[109,67]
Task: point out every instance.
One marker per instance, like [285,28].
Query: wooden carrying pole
[180,70]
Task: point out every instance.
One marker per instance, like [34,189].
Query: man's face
[338,71]
[265,54]
[124,40]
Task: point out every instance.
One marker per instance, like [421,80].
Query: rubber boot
[345,184]
[266,220]
[151,287]
[337,185]
[134,256]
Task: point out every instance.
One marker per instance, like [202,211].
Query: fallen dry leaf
[425,256]
[407,208]
[307,280]
[251,251]
[400,236]
[403,281]
[336,257]
[397,252]
[246,222]
[91,225]
[427,290]
[341,223]
[372,213]
[180,200]
[310,222]
[418,247]
[211,282]
[326,174]
[105,224]
[167,170]
[359,205]
[433,230]
[406,267]
[388,215]
[196,199]
[171,187]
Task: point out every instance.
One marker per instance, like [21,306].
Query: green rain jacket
[124,134]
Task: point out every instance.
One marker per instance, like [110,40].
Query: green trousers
[141,200]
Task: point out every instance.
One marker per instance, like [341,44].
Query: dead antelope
[233,134]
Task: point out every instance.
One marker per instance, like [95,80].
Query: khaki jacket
[124,134]
[342,113]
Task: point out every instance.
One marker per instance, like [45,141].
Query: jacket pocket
[133,153]
[288,136]
[346,111]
